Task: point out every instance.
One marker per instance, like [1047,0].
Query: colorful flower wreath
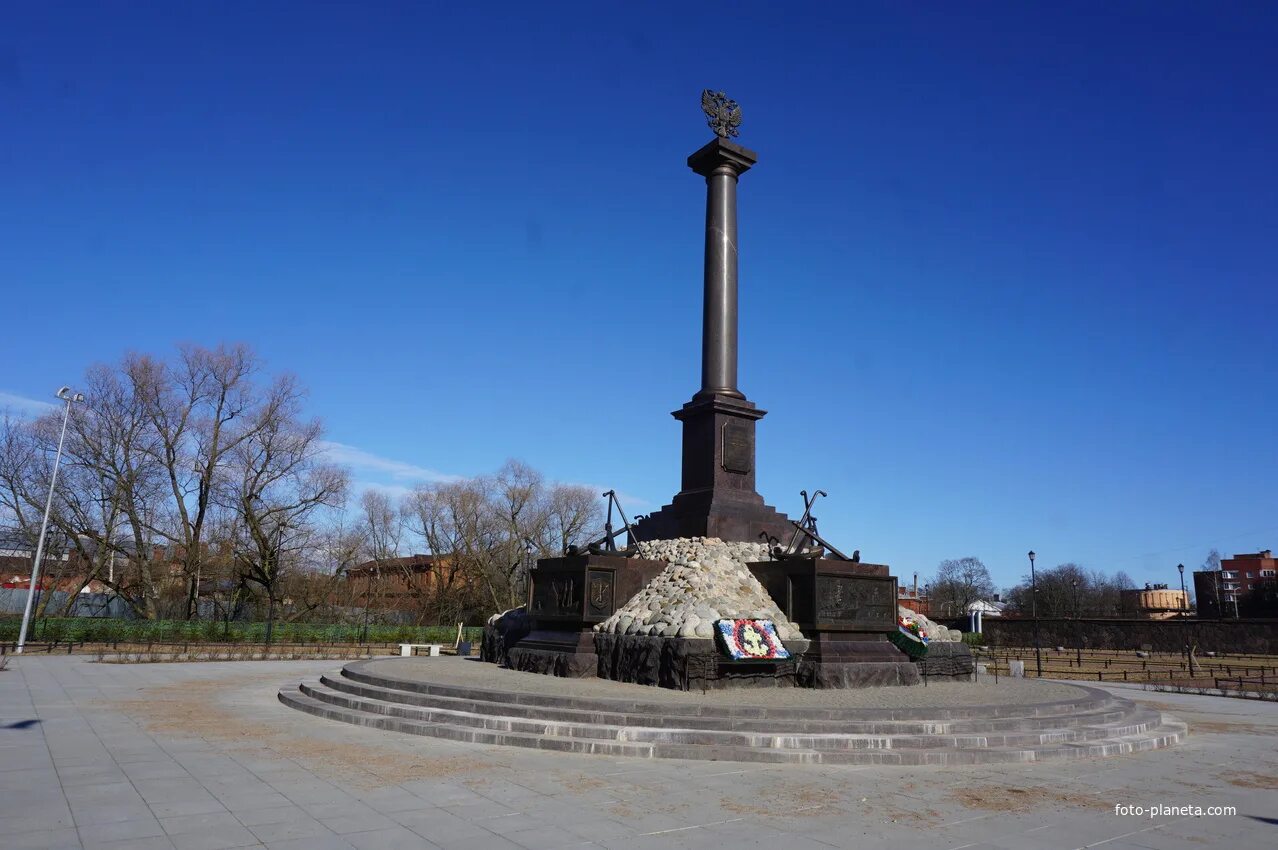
[910,625]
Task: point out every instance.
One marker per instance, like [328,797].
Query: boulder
[501,632]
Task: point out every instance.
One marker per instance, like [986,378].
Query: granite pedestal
[949,661]
[846,610]
[689,663]
[566,597]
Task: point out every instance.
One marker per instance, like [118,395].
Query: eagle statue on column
[722,114]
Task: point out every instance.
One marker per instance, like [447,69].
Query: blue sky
[1007,269]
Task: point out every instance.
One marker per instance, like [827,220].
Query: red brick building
[401,583]
[1219,591]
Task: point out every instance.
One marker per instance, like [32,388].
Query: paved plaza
[203,755]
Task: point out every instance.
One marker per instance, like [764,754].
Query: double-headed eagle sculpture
[722,114]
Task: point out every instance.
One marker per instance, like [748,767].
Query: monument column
[721,162]
[718,496]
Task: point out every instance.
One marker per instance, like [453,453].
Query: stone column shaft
[719,314]
[721,162]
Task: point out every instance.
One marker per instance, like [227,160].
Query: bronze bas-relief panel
[556,595]
[856,602]
[738,453]
[577,590]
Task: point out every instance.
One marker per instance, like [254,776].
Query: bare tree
[573,514]
[157,472]
[433,514]
[1068,590]
[112,495]
[282,484]
[958,583]
[104,506]
[486,531]
[196,409]
[381,532]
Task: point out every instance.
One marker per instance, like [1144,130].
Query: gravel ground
[472,673]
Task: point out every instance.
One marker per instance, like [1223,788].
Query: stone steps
[310,705]
[1094,700]
[1140,722]
[1098,725]
[822,735]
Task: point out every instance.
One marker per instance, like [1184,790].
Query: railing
[1111,666]
[1247,683]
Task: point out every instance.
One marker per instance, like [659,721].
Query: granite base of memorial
[567,596]
[689,663]
[947,661]
[846,610]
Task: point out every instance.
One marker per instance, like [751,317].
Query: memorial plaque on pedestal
[823,595]
[862,603]
[845,609]
[738,449]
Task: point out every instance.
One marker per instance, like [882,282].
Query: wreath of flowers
[911,626]
[751,639]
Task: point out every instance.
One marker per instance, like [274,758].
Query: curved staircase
[1095,724]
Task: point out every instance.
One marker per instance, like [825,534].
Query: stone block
[855,674]
[952,661]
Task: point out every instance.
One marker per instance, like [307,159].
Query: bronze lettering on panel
[599,597]
[857,602]
[738,453]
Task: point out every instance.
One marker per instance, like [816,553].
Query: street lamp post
[1038,646]
[1184,600]
[1073,583]
[69,397]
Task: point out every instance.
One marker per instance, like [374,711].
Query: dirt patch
[621,810]
[1010,798]
[817,800]
[192,709]
[786,800]
[1251,780]
[582,783]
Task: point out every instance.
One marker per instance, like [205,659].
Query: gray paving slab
[216,839]
[292,829]
[44,839]
[326,842]
[203,756]
[157,843]
[389,838]
[93,836]
[344,824]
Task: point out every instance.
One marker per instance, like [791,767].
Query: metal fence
[13,600]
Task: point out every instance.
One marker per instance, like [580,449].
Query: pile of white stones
[934,631]
[705,580]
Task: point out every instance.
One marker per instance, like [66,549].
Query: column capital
[720,152]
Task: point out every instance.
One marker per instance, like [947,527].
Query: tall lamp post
[1038,646]
[1184,600]
[69,397]
[1073,583]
